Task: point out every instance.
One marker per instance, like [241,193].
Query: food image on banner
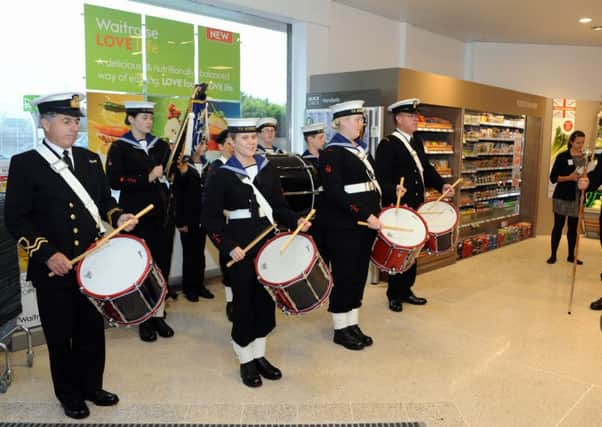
[218,112]
[168,115]
[219,63]
[106,120]
[169,57]
[113,49]
[563,124]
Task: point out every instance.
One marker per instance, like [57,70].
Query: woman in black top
[565,174]
[242,198]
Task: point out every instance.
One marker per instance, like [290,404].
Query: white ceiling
[510,21]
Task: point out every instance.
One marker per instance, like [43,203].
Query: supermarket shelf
[496,139]
[484,184]
[439,152]
[498,168]
[447,176]
[503,125]
[435,130]
[484,221]
[497,196]
[494,154]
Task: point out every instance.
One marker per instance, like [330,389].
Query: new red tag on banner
[218,35]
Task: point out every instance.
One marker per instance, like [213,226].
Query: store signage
[326,99]
[563,123]
[113,49]
[219,63]
[169,57]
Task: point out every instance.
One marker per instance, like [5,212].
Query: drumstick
[107,237]
[292,236]
[253,243]
[459,180]
[399,194]
[387,227]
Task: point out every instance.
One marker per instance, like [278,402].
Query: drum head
[404,218]
[114,268]
[439,216]
[276,269]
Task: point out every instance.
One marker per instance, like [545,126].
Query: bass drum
[299,181]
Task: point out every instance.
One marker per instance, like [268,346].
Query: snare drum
[122,281]
[298,280]
[396,251]
[298,179]
[442,221]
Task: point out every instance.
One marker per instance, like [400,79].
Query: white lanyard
[60,167]
[412,153]
[263,203]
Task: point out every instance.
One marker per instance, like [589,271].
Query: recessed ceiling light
[585,20]
[597,28]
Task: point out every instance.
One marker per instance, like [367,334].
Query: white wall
[434,53]
[551,71]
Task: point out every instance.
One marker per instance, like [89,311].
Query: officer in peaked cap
[398,155]
[48,214]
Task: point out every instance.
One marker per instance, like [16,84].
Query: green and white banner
[169,57]
[113,49]
[219,63]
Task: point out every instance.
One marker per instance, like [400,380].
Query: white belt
[240,214]
[360,187]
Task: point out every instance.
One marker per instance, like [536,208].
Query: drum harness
[363,186]
[412,152]
[60,167]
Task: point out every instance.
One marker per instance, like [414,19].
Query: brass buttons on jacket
[72,216]
[71,205]
[76,242]
[75,230]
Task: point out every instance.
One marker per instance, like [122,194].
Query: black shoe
[229,310]
[162,327]
[395,305]
[147,331]
[365,339]
[102,398]
[205,293]
[551,260]
[191,297]
[596,305]
[76,410]
[249,374]
[572,259]
[347,339]
[267,370]
[413,299]
[172,294]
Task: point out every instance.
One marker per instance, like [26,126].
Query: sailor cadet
[351,194]
[242,199]
[401,154]
[226,148]
[135,167]
[56,196]
[314,137]
[266,128]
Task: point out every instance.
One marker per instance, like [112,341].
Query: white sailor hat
[135,107]
[347,108]
[67,103]
[313,129]
[266,122]
[242,125]
[405,106]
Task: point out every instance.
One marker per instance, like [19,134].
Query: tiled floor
[494,347]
